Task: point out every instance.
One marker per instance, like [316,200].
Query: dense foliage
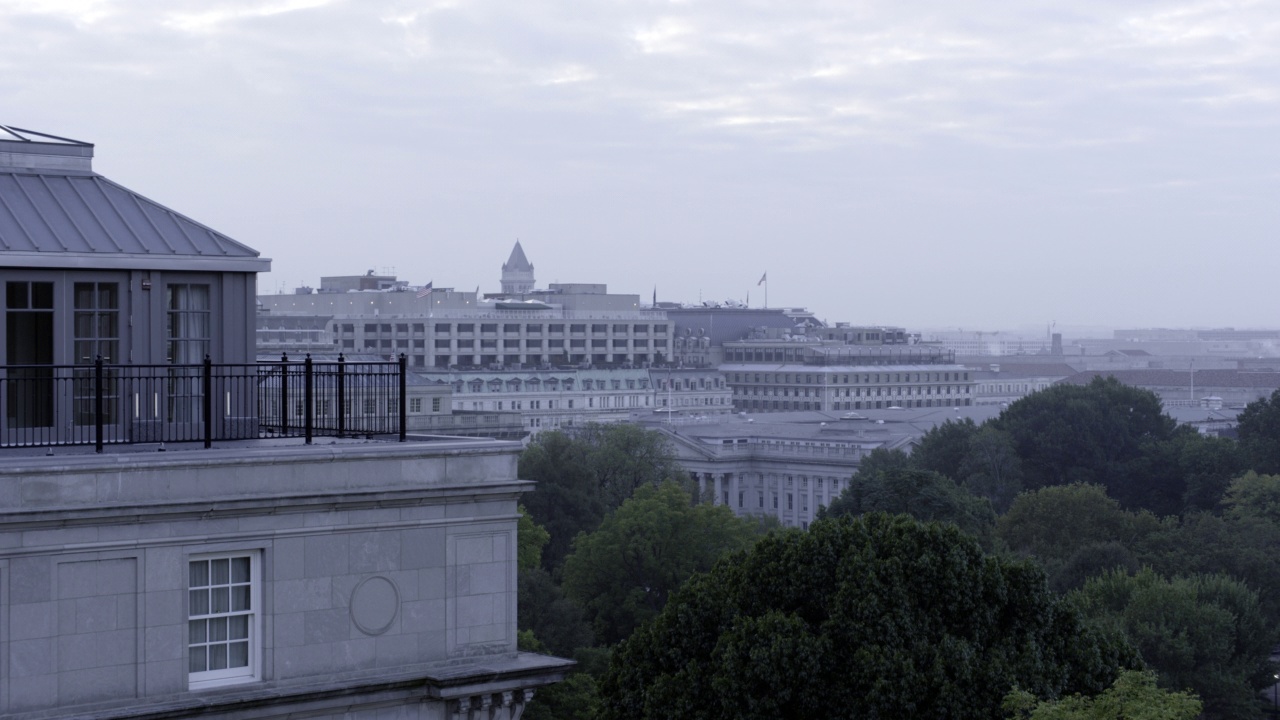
[876,616]
[1204,632]
[922,494]
[623,573]
[1133,696]
[581,477]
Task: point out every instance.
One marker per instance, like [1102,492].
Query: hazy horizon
[920,166]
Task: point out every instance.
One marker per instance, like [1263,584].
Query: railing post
[308,388]
[284,394]
[404,365]
[342,395]
[207,391]
[97,403]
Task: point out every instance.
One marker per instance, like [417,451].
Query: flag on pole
[763,279]
[426,290]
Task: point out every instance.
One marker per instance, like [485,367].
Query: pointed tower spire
[517,273]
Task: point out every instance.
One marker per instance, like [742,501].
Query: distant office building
[1197,388]
[1004,383]
[567,324]
[780,376]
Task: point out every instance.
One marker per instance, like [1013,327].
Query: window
[435,405]
[415,405]
[223,594]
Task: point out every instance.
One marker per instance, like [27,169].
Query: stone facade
[379,578]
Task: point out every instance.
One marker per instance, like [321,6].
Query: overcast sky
[979,165]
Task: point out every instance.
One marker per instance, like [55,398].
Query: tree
[583,476]
[567,499]
[1204,632]
[530,539]
[1133,696]
[556,621]
[923,494]
[1086,434]
[1259,432]
[1207,465]
[943,448]
[623,457]
[880,460]
[1253,496]
[875,616]
[1053,523]
[623,573]
[991,467]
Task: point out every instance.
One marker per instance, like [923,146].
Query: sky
[974,165]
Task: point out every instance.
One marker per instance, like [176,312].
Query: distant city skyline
[1084,163]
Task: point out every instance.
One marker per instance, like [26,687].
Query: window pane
[199,573]
[238,627]
[196,632]
[219,571]
[217,657]
[199,602]
[240,598]
[217,629]
[240,570]
[219,600]
[199,660]
[239,655]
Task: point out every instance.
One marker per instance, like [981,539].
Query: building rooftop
[54,210]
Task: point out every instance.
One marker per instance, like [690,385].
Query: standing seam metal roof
[76,213]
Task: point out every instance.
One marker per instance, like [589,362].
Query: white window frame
[252,672]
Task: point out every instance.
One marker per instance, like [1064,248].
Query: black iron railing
[104,404]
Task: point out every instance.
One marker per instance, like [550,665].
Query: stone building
[566,324]
[251,578]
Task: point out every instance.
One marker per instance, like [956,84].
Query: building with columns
[786,468]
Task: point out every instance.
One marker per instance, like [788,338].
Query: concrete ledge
[342,692]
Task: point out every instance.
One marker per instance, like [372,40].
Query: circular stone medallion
[374,605]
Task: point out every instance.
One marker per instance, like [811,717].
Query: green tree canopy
[583,476]
[530,539]
[1253,496]
[943,448]
[1259,432]
[1133,696]
[923,494]
[1091,433]
[623,573]
[1204,632]
[875,616]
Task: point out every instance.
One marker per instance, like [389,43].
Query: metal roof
[56,212]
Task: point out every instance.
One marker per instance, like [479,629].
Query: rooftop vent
[30,150]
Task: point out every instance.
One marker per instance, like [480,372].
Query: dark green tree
[623,573]
[623,457]
[1204,632]
[557,622]
[991,467]
[583,476]
[1052,523]
[1207,464]
[1259,432]
[876,617]
[1095,433]
[923,494]
[880,460]
[943,448]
